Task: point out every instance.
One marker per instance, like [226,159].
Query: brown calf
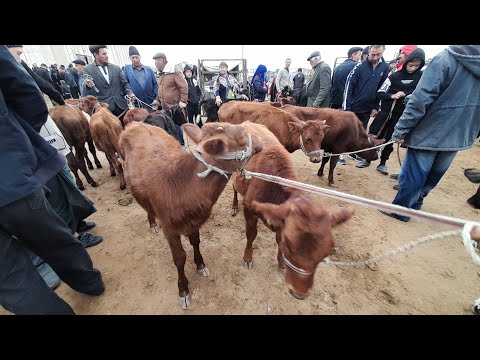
[292,133]
[346,134]
[74,127]
[302,227]
[106,130]
[136,114]
[161,175]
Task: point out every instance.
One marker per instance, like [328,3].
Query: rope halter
[295,268]
[319,151]
[239,155]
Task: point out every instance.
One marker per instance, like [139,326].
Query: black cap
[187,67]
[95,48]
[160,55]
[11,46]
[313,54]
[354,50]
[79,62]
[132,50]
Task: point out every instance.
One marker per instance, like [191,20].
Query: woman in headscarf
[258,84]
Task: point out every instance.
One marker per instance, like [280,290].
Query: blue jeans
[420,173]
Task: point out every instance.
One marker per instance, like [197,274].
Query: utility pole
[242,50]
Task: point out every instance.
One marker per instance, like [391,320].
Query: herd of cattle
[254,136]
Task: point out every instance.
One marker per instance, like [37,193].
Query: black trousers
[364,117]
[22,290]
[192,112]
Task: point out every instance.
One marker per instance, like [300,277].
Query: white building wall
[65,54]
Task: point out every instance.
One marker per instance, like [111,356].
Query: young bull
[303,228]
[292,133]
[346,134]
[161,175]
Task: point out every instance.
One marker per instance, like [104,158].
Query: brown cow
[74,127]
[161,175]
[137,114]
[302,226]
[346,134]
[292,133]
[106,130]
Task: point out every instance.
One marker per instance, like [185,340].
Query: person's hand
[218,101]
[475,233]
[374,113]
[398,95]
[89,83]
[155,104]
[399,141]
[182,104]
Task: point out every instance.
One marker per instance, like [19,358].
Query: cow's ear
[294,126]
[326,129]
[340,215]
[214,146]
[104,104]
[193,132]
[257,144]
[273,214]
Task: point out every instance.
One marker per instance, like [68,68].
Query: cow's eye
[308,141]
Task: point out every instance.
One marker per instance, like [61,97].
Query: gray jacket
[318,86]
[443,113]
[113,93]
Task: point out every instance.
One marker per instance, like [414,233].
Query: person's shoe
[342,161]
[394,176]
[396,187]
[89,239]
[396,216]
[382,169]
[85,225]
[362,164]
[50,276]
[353,157]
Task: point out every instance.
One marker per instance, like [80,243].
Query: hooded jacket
[443,113]
[407,49]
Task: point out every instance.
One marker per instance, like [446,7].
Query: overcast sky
[272,56]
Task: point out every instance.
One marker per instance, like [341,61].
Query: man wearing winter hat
[194,94]
[224,85]
[109,84]
[141,78]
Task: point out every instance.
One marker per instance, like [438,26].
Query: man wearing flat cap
[109,84]
[172,92]
[141,78]
[318,86]
[340,74]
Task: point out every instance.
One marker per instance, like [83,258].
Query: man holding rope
[441,118]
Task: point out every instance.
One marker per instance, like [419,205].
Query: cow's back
[106,130]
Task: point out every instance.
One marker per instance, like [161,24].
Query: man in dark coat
[108,80]
[340,74]
[25,214]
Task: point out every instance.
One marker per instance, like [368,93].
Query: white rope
[327,154]
[468,242]
[393,252]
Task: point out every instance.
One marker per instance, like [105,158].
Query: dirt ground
[140,278]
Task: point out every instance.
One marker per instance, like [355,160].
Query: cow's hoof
[81,187]
[333,185]
[473,202]
[94,184]
[319,174]
[99,166]
[113,174]
[122,187]
[248,265]
[203,272]
[90,167]
[154,230]
[184,301]
[234,211]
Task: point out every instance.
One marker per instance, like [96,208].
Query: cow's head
[371,155]
[310,135]
[306,230]
[87,104]
[223,144]
[136,114]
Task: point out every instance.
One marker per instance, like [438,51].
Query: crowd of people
[433,112]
